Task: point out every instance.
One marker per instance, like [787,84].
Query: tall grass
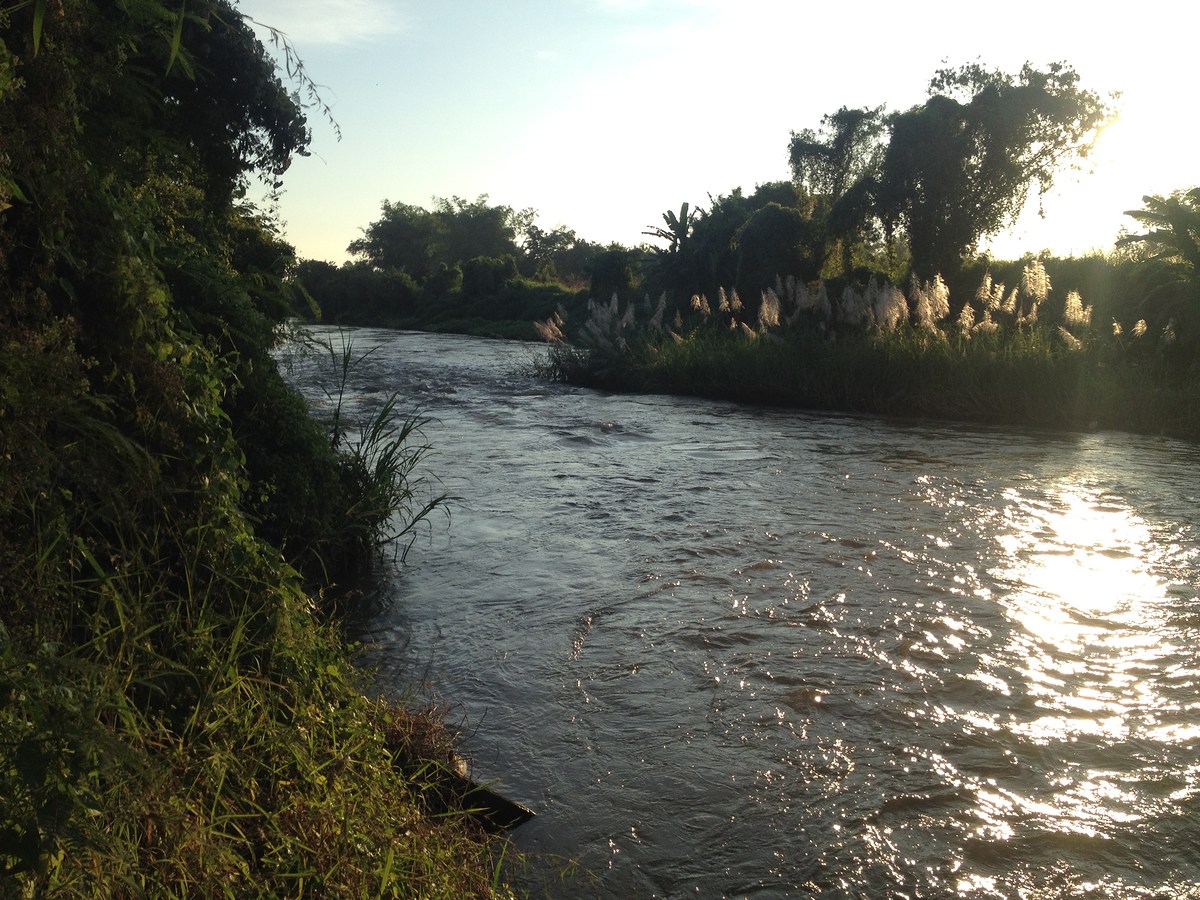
[347,488]
[1009,356]
[176,717]
[380,458]
[195,731]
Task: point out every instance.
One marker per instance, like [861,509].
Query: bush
[485,276]
[357,294]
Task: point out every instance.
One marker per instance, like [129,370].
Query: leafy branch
[296,71]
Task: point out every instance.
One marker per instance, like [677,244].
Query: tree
[615,271]
[541,249]
[556,255]
[422,242]
[401,238]
[1173,229]
[671,269]
[358,293]
[714,240]
[960,166]
[465,229]
[837,169]
[1168,269]
[484,276]
[713,245]
[776,241]
[165,497]
[826,164]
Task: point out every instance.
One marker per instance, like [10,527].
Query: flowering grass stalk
[999,359]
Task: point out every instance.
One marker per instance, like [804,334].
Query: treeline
[872,193]
[461,266]
[878,204]
[178,712]
[858,287]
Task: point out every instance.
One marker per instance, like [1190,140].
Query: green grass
[179,716]
[195,731]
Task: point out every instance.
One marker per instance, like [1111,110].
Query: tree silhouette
[960,166]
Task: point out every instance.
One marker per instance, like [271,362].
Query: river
[745,652]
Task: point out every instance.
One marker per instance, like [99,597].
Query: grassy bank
[184,748]
[179,713]
[880,351]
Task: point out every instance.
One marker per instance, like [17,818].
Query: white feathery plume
[1075,314]
[891,308]
[966,320]
[768,310]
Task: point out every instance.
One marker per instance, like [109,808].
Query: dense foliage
[959,167]
[1167,274]
[872,193]
[174,716]
[877,200]
[462,266]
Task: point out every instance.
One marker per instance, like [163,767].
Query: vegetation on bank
[483,296]
[1025,355]
[462,267]
[871,193]
[178,711]
[854,286]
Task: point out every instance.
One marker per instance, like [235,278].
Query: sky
[603,114]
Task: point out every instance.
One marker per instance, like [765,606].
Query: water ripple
[754,652]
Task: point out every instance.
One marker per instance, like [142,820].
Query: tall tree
[422,241]
[837,169]
[468,229]
[401,238]
[960,166]
[827,163]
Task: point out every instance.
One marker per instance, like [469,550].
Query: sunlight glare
[1081,570]
[1086,601]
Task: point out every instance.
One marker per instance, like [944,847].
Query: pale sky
[603,114]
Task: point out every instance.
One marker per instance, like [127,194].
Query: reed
[999,359]
[346,487]
[380,463]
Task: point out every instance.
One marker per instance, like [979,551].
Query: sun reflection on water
[1086,663]
[1085,595]
[1081,570]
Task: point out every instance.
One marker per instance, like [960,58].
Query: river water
[739,652]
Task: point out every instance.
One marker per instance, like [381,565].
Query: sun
[1145,149]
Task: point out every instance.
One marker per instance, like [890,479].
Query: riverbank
[179,710]
[859,356]
[991,387]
